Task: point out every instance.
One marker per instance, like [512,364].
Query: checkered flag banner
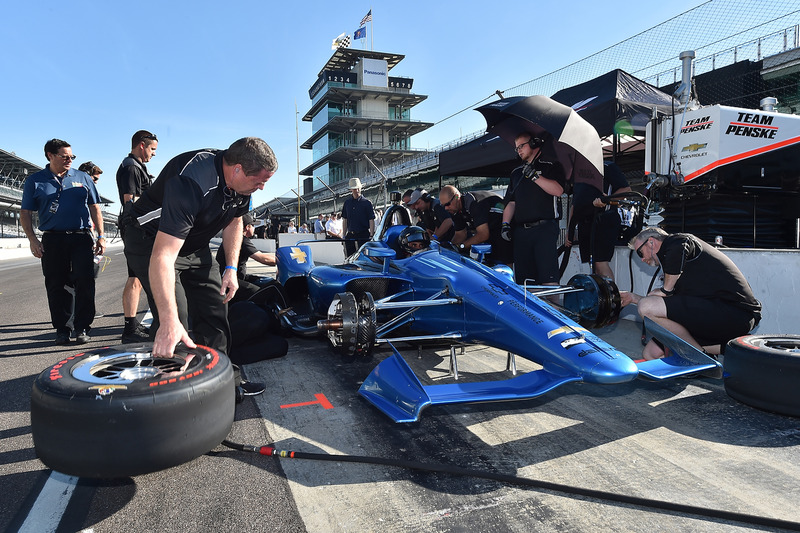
[342,41]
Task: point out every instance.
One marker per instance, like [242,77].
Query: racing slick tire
[119,412]
[763,371]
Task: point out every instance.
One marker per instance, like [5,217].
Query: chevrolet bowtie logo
[694,147]
[298,255]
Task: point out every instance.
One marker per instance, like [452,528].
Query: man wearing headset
[533,227]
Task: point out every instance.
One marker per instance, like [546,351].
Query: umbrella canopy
[577,145]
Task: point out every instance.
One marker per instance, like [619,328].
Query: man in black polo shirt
[432,216]
[533,210]
[167,235]
[477,218]
[705,300]
[358,219]
[132,180]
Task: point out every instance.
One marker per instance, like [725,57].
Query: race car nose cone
[620,369]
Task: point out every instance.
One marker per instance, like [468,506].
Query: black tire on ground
[763,371]
[119,412]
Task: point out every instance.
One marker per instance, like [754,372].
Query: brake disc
[351,325]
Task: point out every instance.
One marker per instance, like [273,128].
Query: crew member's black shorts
[709,321]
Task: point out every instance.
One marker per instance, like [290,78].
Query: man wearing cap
[432,216]
[67,203]
[132,180]
[358,219]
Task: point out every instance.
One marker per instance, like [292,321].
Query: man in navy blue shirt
[67,203]
[358,219]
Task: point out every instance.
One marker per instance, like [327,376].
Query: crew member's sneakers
[248,388]
[139,334]
[82,336]
[62,337]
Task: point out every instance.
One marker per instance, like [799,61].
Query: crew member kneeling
[705,299]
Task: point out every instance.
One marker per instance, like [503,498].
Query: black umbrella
[576,145]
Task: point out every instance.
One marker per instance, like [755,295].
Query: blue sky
[203,74]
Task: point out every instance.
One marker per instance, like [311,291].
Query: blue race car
[400,287]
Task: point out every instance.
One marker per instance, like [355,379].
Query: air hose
[599,495]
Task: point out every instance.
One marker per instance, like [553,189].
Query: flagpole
[371,34]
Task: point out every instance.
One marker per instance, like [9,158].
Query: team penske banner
[715,136]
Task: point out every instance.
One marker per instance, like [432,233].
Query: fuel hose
[570,491]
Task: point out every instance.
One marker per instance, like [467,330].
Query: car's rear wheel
[120,412]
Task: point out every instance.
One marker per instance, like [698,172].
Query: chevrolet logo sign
[298,255]
[694,147]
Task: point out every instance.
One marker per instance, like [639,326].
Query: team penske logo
[753,125]
[298,255]
[697,124]
[694,147]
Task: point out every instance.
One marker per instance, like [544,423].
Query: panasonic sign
[375,72]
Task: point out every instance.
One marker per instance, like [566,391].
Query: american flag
[367,18]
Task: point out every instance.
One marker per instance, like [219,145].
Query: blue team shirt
[63,205]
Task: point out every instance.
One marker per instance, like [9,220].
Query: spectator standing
[67,204]
[319,226]
[333,227]
[303,228]
[167,238]
[133,180]
[530,218]
[358,218]
[291,228]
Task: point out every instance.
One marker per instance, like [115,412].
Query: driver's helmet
[413,239]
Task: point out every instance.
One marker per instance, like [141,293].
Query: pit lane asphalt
[684,441]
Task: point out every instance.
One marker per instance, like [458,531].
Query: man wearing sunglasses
[705,300]
[167,235]
[65,199]
[132,180]
[477,217]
